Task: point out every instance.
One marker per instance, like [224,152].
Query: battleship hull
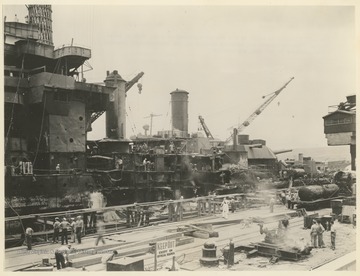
[46,193]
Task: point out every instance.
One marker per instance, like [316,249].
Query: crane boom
[128,85]
[260,109]
[205,128]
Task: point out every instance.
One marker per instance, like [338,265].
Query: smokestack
[301,158]
[179,110]
[235,138]
[115,112]
[40,15]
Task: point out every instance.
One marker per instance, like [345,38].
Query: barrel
[336,206]
[314,192]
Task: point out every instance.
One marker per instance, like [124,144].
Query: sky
[226,56]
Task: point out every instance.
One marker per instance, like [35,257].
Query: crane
[128,85]
[259,109]
[205,128]
[151,120]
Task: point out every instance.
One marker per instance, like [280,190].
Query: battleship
[119,186]
[49,111]
[50,165]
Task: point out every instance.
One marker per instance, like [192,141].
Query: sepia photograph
[189,136]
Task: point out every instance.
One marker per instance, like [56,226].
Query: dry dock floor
[188,255]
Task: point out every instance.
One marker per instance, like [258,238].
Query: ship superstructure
[48,106]
[49,109]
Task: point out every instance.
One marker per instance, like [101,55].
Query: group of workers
[148,165]
[23,168]
[199,167]
[316,234]
[289,198]
[62,228]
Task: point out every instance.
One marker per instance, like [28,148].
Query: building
[340,126]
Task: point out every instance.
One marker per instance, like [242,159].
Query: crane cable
[132,121]
[166,116]
[132,129]
[43,114]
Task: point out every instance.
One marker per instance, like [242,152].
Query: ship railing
[72,45]
[122,217]
[47,171]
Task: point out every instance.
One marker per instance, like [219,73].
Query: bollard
[209,255]
[231,254]
[173,264]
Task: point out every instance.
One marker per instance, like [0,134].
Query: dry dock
[135,242]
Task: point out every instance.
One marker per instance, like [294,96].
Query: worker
[283,197]
[109,257]
[333,234]
[57,168]
[144,163]
[62,256]
[288,200]
[64,225]
[119,164]
[79,228]
[271,204]
[320,231]
[232,205]
[292,199]
[145,147]
[222,176]
[56,226]
[225,208]
[313,234]
[72,229]
[100,230]
[28,237]
[172,147]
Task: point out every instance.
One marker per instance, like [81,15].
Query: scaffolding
[40,15]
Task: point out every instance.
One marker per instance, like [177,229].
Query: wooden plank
[134,250]
[85,261]
[21,267]
[184,240]
[200,229]
[40,268]
[82,253]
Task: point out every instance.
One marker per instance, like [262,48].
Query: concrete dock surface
[188,255]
